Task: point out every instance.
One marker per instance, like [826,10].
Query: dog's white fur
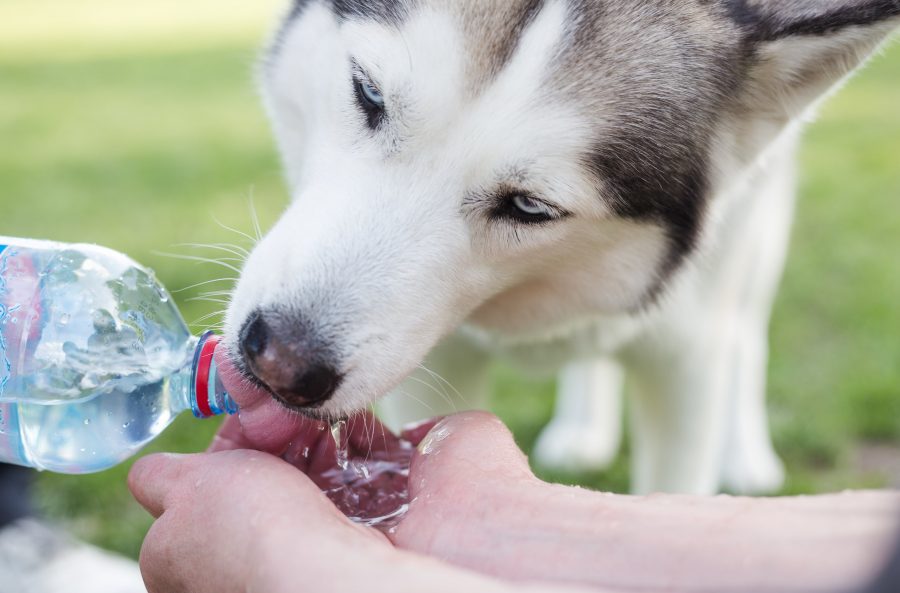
[697,365]
[382,252]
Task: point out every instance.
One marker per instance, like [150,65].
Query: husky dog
[602,188]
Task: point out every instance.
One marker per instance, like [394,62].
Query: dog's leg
[586,429]
[689,418]
[749,464]
[452,379]
[678,416]
[699,414]
[698,408]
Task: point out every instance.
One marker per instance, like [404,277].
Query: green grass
[138,141]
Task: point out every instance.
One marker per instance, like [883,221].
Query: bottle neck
[208,396]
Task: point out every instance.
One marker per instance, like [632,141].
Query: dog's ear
[799,49]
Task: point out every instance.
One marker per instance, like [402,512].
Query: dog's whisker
[375,423]
[219,262]
[214,293]
[254,217]
[225,299]
[416,399]
[203,318]
[201,323]
[235,250]
[253,240]
[442,395]
[368,439]
[440,385]
[241,250]
[207,300]
[204,283]
[440,378]
[383,434]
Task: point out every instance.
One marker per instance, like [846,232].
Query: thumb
[472,446]
[152,477]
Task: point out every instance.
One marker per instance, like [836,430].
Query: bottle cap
[209,397]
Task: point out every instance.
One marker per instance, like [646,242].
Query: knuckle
[158,558]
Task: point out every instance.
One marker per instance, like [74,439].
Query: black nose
[288,359]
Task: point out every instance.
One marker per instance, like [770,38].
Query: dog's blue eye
[370,102]
[531,207]
[520,207]
[371,94]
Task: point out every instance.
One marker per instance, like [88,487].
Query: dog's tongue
[265,424]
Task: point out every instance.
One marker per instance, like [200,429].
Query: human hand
[242,520]
[482,466]
[241,517]
[475,504]
[466,478]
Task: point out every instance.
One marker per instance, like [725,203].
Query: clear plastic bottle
[95,359]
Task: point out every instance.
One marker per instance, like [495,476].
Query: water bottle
[95,359]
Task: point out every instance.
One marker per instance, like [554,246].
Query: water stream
[370,487]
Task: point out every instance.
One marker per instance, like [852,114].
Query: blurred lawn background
[134,124]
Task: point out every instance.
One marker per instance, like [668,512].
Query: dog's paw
[575,447]
[762,473]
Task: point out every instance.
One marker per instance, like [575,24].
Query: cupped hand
[465,466]
[236,519]
[243,513]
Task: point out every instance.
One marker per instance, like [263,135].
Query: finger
[306,446]
[230,436]
[465,444]
[161,553]
[225,505]
[270,427]
[152,478]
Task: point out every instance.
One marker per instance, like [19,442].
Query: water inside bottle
[89,342]
[96,433]
[370,487]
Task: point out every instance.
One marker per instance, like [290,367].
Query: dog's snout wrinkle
[287,360]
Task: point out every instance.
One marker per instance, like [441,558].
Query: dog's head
[519,164]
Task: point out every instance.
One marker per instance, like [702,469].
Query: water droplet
[86,422]
[64,319]
[337,428]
